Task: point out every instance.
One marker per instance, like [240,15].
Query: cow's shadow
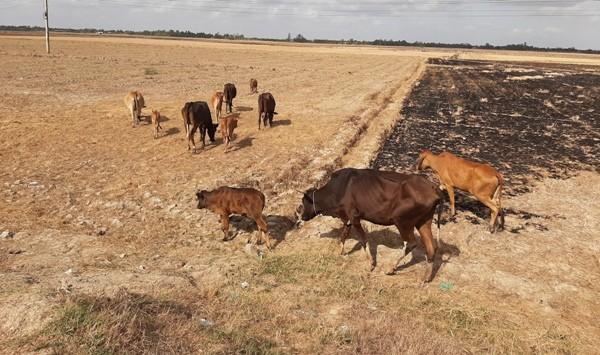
[243,108]
[392,240]
[243,143]
[277,123]
[171,131]
[278,226]
[481,214]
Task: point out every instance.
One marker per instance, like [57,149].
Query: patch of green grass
[291,268]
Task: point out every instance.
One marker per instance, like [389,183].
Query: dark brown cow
[225,201]
[266,109]
[197,115]
[253,86]
[381,197]
[229,93]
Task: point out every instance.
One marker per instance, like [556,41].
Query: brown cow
[229,93]
[381,197]
[481,180]
[228,124]
[266,109]
[134,101]
[225,201]
[156,122]
[253,86]
[217,103]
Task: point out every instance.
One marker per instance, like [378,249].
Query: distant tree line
[301,39]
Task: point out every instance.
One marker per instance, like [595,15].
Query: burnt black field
[529,121]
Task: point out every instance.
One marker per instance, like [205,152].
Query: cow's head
[212,128]
[423,162]
[307,210]
[201,196]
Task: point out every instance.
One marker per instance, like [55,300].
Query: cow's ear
[307,196]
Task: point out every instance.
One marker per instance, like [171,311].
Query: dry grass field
[108,254]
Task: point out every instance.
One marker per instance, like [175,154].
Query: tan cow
[216,102]
[156,122]
[134,102]
[481,180]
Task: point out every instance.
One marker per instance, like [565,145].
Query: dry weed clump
[126,323]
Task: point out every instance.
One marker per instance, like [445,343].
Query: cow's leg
[261,223]
[451,196]
[494,211]
[363,241]
[225,222]
[271,119]
[345,234]
[203,136]
[409,244]
[133,118]
[430,245]
[191,134]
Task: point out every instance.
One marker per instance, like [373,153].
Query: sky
[543,23]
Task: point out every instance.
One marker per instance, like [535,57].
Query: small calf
[481,180]
[228,124]
[247,202]
[253,86]
[156,122]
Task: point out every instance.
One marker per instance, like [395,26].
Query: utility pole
[47,30]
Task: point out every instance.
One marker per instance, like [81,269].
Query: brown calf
[217,103]
[253,86]
[228,124]
[481,180]
[156,122]
[225,201]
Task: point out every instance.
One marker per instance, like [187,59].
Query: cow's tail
[439,208]
[498,198]
[184,116]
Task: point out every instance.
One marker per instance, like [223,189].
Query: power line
[345,12]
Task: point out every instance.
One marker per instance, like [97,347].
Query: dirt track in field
[73,168]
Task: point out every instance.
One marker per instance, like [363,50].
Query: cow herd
[406,201]
[196,115]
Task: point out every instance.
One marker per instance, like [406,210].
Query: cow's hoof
[391,272]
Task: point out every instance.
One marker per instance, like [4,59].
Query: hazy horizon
[548,23]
